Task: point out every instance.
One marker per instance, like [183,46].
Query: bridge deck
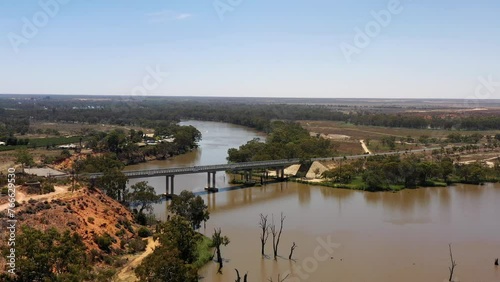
[238,166]
[206,168]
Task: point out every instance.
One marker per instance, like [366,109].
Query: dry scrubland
[85,211]
[375,132]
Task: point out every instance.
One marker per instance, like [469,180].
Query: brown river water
[342,235]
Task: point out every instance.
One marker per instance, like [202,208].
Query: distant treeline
[15,115]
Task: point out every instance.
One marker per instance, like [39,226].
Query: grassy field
[66,129]
[44,142]
[349,148]
[204,252]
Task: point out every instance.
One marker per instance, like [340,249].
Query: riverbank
[359,185]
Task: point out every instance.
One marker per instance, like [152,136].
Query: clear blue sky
[279,48]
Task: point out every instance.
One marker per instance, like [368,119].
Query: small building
[2,144]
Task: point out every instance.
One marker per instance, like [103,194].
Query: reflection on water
[384,236]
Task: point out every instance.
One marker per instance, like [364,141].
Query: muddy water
[347,235]
[217,138]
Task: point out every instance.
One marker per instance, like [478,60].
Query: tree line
[286,140]
[389,172]
[259,115]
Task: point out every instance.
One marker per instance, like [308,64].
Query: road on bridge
[244,166]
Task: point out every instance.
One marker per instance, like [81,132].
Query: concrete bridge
[247,167]
[169,173]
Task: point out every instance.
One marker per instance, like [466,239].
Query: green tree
[50,256]
[178,233]
[164,264]
[472,173]
[341,174]
[446,168]
[143,195]
[115,140]
[373,180]
[24,158]
[190,207]
[114,183]
[217,241]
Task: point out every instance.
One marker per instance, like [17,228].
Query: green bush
[144,232]
[47,188]
[137,245]
[90,220]
[120,232]
[104,242]
[141,219]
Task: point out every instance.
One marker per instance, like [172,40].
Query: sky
[252,48]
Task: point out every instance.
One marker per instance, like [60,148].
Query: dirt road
[126,274]
[20,196]
[365,147]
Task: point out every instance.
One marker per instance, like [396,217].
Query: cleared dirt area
[374,132]
[7,158]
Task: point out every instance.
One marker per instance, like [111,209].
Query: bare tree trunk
[276,235]
[217,241]
[264,226]
[238,278]
[291,250]
[279,278]
[453,264]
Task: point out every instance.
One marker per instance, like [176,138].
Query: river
[342,235]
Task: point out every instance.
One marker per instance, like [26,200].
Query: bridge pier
[280,173]
[169,179]
[211,182]
[248,175]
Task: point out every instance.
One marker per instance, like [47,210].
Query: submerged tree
[292,248]
[279,278]
[217,241]
[238,277]
[277,234]
[453,264]
[264,235]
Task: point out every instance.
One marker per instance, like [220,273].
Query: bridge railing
[205,168]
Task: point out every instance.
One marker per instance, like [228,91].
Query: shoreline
[355,188]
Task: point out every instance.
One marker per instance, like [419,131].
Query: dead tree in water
[264,227]
[291,250]
[453,264]
[279,279]
[217,241]
[238,278]
[277,234]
